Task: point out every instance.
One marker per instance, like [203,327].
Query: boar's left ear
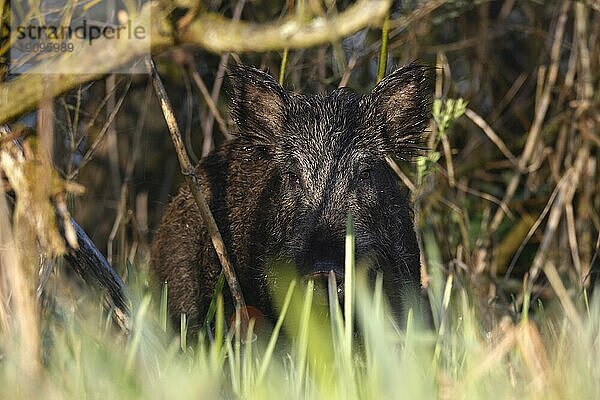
[258,104]
[401,102]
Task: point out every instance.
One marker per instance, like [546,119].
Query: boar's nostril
[321,285]
[326,266]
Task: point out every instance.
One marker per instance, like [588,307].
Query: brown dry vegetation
[507,207]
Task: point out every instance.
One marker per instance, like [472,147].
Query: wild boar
[281,190]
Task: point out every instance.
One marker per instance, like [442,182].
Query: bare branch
[193,183]
[210,31]
[217,34]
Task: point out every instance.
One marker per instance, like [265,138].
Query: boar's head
[328,154]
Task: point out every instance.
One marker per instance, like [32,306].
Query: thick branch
[209,31]
[218,34]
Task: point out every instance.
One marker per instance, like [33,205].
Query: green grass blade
[275,334]
[163,306]
[349,285]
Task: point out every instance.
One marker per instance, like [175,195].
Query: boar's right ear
[258,104]
[401,102]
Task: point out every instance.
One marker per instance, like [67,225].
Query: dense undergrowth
[548,355]
[506,206]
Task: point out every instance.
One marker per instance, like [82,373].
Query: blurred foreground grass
[84,356]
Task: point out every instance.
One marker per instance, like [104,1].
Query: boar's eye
[365,175]
[291,179]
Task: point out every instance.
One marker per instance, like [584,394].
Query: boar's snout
[324,253]
[321,284]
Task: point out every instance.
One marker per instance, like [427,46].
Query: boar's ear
[401,102]
[258,104]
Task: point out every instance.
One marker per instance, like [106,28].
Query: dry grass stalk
[565,196]
[543,102]
[18,297]
[493,356]
[533,353]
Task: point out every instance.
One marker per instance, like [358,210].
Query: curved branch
[210,31]
[218,34]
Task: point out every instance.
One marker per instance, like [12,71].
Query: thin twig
[193,183]
[111,134]
[536,225]
[449,164]
[562,294]
[565,196]
[485,196]
[346,76]
[207,128]
[572,236]
[489,132]
[192,70]
[405,179]
[89,154]
[121,210]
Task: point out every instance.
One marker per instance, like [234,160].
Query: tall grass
[84,357]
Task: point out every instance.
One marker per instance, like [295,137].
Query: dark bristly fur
[281,190]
